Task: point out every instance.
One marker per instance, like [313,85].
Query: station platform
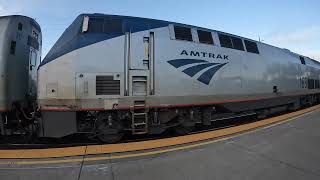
[285,147]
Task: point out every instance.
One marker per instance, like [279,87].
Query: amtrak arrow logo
[199,65]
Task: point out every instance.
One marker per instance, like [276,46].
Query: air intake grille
[105,85]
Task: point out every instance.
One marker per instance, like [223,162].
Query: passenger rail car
[20,51]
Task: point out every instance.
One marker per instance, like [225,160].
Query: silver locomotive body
[20,51]
[107,74]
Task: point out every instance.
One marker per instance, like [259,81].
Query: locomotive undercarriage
[111,126]
[20,121]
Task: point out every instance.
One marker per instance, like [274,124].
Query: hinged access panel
[139,64]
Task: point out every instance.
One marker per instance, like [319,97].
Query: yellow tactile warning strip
[136,146]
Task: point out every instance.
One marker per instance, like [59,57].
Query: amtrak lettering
[204,54]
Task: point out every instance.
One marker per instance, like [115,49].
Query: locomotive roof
[73,38]
[9,16]
[32,21]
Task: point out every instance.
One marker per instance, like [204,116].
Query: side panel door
[140,63]
[33,56]
[34,41]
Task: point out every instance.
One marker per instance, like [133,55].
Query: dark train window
[33,42]
[302,60]
[205,37]
[310,83]
[113,26]
[183,33]
[35,34]
[231,42]
[225,41]
[251,46]
[317,84]
[100,25]
[96,25]
[237,43]
[13,47]
[20,26]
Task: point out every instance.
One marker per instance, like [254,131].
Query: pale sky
[291,24]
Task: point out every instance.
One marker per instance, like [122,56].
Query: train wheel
[186,123]
[108,129]
[107,134]
[110,138]
[183,130]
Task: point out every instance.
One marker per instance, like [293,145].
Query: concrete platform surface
[288,150]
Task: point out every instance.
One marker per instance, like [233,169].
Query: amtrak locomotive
[108,75]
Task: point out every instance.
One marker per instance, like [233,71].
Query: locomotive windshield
[104,25]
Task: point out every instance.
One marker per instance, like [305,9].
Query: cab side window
[20,26]
[302,60]
[101,25]
[225,41]
[251,46]
[183,33]
[96,25]
[13,45]
[231,42]
[205,37]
